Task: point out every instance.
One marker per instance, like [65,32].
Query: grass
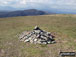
[62,26]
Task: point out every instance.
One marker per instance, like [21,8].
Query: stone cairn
[37,36]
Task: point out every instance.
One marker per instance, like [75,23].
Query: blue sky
[56,4]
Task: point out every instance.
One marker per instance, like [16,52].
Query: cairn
[37,36]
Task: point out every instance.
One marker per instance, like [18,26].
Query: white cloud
[59,2]
[14,3]
[65,2]
[22,3]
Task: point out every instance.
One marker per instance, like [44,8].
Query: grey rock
[53,42]
[27,40]
[34,40]
[37,31]
[49,42]
[36,28]
[43,37]
[48,33]
[36,36]
[44,43]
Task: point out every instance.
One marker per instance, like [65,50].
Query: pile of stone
[37,36]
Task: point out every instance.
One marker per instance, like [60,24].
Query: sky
[18,3]
[57,4]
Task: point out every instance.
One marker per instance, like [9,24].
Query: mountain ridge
[29,12]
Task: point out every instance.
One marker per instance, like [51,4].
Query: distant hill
[29,12]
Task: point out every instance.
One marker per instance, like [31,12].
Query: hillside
[63,27]
[29,12]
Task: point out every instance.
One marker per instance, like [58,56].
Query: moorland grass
[63,27]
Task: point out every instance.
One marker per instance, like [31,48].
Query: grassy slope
[62,26]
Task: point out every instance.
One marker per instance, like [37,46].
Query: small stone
[50,37]
[49,42]
[35,40]
[22,39]
[39,42]
[33,32]
[37,31]
[36,28]
[38,35]
[44,43]
[53,42]
[27,40]
[48,33]
[44,37]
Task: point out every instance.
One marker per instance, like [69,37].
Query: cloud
[14,3]
[66,2]
[59,2]
[54,3]
[22,1]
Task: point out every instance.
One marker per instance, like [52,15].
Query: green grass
[62,26]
